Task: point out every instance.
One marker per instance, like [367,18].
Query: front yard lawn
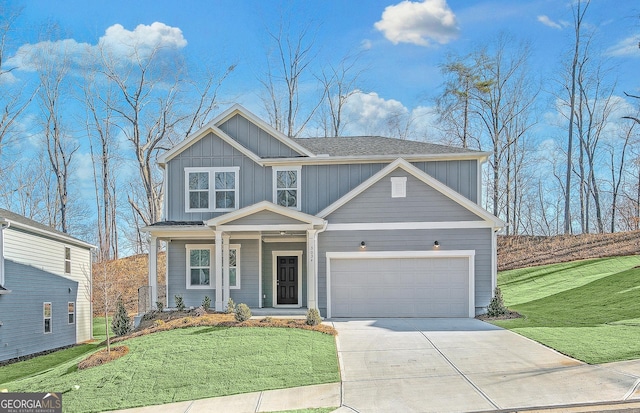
[192,363]
[587,309]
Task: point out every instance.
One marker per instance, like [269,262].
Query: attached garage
[401,284]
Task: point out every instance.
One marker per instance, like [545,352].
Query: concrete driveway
[454,365]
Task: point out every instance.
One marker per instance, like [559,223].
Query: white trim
[364,159]
[270,227]
[45,318]
[153,270]
[469,254]
[398,187]
[179,231]
[427,179]
[274,259]
[221,220]
[211,190]
[298,171]
[59,237]
[219,304]
[188,248]
[383,226]
[69,313]
[494,259]
[238,276]
[260,299]
[281,239]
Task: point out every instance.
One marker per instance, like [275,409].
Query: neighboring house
[353,226]
[45,288]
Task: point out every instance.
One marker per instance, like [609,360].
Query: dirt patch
[508,316]
[103,356]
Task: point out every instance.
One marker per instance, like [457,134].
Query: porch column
[153,271]
[225,270]
[218,275]
[312,270]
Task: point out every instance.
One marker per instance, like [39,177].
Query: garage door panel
[395,287]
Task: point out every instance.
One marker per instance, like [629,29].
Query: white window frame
[45,318]
[67,260]
[398,187]
[71,313]
[212,274]
[211,190]
[237,267]
[298,188]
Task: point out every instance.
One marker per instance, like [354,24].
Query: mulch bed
[508,316]
[103,356]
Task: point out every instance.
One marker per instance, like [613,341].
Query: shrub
[121,324]
[159,306]
[496,305]
[243,313]
[179,302]
[231,306]
[313,317]
[267,320]
[158,323]
[206,303]
[200,311]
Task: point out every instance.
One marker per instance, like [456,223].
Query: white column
[3,225]
[218,275]
[153,270]
[225,270]
[260,299]
[312,273]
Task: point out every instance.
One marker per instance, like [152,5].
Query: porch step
[295,313]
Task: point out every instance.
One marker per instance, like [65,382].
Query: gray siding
[177,277]
[211,151]
[421,204]
[267,268]
[256,140]
[21,313]
[265,218]
[415,240]
[461,176]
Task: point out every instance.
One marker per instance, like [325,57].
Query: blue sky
[403,68]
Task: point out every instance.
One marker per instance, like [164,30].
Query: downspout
[4,224]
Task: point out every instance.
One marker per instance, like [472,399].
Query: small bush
[200,311]
[496,305]
[159,306]
[231,306]
[121,324]
[313,317]
[206,303]
[158,323]
[243,313]
[179,302]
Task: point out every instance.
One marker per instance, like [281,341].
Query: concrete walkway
[443,365]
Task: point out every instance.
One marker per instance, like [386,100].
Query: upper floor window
[67,260]
[211,189]
[286,187]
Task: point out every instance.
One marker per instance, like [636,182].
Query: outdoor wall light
[363,245]
[436,244]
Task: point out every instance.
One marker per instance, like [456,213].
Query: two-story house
[354,226]
[45,288]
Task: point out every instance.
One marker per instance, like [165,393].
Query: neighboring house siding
[21,311]
[255,139]
[211,151]
[413,240]
[267,268]
[177,281]
[421,204]
[50,256]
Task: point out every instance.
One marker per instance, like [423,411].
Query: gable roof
[228,218]
[424,177]
[19,221]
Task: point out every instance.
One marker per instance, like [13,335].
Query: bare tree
[617,175]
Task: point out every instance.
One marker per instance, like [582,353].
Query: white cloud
[419,23]
[548,22]
[626,48]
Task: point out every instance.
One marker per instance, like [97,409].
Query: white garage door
[401,287]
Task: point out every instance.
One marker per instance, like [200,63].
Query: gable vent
[398,187]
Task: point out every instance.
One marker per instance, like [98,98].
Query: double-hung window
[46,315]
[286,187]
[234,266]
[211,189]
[200,266]
[67,260]
[72,312]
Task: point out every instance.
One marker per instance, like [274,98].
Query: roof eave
[480,156]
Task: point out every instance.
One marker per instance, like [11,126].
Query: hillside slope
[518,251]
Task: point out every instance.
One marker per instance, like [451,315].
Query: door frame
[468,254]
[274,277]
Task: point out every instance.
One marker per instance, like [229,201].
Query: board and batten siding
[422,203]
[21,311]
[48,254]
[477,239]
[211,151]
[177,274]
[256,139]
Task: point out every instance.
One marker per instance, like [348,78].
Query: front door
[287,282]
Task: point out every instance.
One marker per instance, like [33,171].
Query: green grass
[589,310]
[192,363]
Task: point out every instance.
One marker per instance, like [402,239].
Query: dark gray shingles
[19,219]
[376,146]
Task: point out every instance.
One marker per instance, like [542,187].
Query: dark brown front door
[287,280]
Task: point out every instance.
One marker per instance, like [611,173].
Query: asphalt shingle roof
[19,219]
[375,146]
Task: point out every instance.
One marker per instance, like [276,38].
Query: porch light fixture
[363,245]
[436,244]
[283,232]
